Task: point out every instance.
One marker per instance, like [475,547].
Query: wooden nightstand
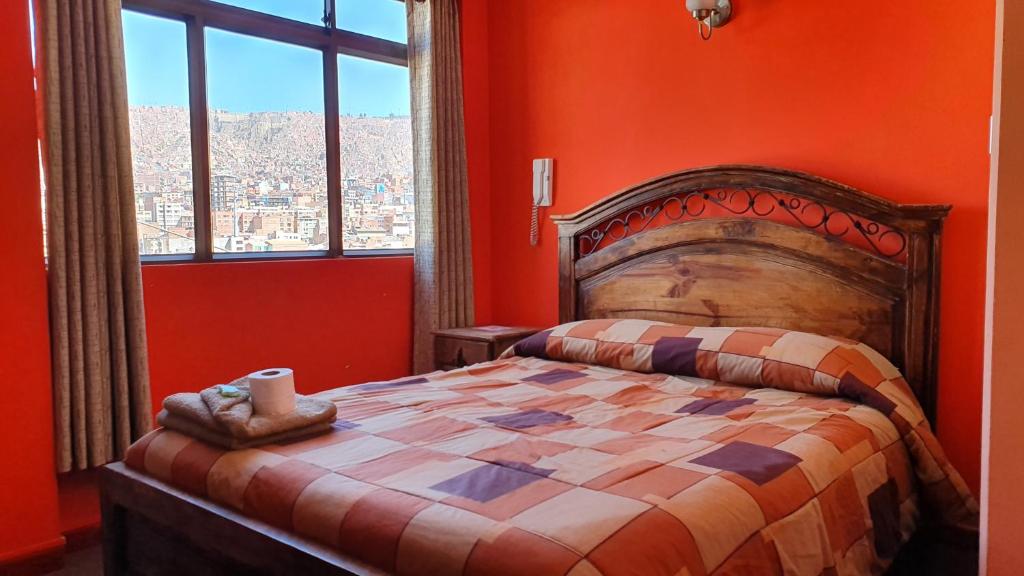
[458,347]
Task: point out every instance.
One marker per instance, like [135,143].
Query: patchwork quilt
[605,447]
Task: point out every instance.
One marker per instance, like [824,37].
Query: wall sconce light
[710,14]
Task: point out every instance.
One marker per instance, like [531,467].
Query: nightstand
[458,347]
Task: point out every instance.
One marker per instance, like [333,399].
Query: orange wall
[335,322]
[1003,441]
[893,98]
[28,488]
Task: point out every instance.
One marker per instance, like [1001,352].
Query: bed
[585,450]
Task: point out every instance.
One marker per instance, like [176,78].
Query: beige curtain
[444,267]
[100,373]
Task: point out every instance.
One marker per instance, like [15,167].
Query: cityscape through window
[273,172]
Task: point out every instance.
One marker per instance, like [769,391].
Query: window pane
[376,155]
[380,18]
[268,183]
[157,69]
[309,11]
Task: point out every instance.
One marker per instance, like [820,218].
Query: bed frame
[728,245]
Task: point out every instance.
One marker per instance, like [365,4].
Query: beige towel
[216,438]
[233,417]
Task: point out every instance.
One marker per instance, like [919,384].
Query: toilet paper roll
[272,391]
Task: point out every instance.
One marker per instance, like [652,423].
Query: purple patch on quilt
[713,406]
[524,467]
[759,464]
[533,346]
[344,425]
[851,387]
[388,385]
[554,376]
[486,483]
[884,506]
[528,419]
[675,355]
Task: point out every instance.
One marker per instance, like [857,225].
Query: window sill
[157,260]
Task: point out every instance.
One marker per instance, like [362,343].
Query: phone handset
[542,175]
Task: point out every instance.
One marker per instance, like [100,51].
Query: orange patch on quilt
[663,481]
[614,354]
[897,463]
[590,329]
[522,449]
[394,463]
[474,386]
[823,404]
[621,474]
[791,376]
[556,402]
[312,443]
[515,552]
[627,444]
[192,465]
[427,431]
[761,434]
[467,399]
[273,490]
[364,409]
[668,546]
[748,343]
[478,370]
[842,360]
[721,392]
[636,395]
[707,364]
[553,347]
[778,497]
[135,456]
[654,333]
[638,421]
[756,556]
[843,432]
[843,513]
[373,526]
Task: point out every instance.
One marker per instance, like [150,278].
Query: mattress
[537,465]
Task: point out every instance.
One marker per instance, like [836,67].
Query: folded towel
[216,438]
[232,416]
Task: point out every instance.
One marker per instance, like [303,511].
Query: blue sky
[246,74]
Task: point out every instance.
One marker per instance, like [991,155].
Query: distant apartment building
[167,214]
[224,190]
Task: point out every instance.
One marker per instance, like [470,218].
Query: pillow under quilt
[770,357]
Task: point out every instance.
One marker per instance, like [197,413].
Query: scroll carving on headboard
[771,205]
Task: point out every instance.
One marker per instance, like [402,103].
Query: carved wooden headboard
[755,246]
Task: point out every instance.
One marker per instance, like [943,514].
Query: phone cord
[533,225]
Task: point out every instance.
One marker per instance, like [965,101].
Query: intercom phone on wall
[543,171]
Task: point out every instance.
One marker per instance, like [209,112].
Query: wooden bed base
[151,528]
[785,250]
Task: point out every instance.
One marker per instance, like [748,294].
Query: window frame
[331,41]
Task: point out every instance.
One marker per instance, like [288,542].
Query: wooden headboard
[756,246]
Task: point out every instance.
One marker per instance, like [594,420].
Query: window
[257,131]
[376,158]
[157,69]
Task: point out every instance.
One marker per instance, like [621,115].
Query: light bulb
[694,5]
